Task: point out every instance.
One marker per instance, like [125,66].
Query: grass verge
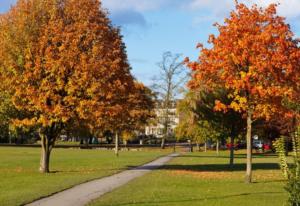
[20,181]
[203,179]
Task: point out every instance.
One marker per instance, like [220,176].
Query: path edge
[95,179]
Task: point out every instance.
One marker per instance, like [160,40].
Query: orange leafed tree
[135,114]
[65,62]
[256,58]
[140,109]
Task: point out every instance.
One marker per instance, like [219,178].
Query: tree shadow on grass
[223,197]
[115,170]
[210,167]
[236,156]
[211,156]
[222,167]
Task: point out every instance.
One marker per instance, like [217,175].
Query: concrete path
[86,192]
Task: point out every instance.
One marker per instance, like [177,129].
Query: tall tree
[135,114]
[192,125]
[67,63]
[198,107]
[7,111]
[167,85]
[256,58]
[228,124]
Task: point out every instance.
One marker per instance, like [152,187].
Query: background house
[164,116]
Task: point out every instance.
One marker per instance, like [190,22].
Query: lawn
[203,179]
[20,181]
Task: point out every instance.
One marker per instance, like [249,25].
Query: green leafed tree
[198,116]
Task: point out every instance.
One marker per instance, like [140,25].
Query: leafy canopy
[255,57]
[67,63]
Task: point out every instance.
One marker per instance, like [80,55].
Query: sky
[152,27]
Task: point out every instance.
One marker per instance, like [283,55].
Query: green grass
[202,179]
[20,181]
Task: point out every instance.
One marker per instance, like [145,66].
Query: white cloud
[211,10]
[287,8]
[137,5]
[208,4]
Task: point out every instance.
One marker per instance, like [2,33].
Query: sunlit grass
[20,181]
[204,179]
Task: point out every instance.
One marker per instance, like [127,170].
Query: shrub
[291,171]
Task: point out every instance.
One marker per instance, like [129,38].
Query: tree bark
[231,151]
[163,143]
[125,145]
[117,144]
[205,147]
[48,137]
[198,146]
[9,135]
[248,178]
[217,148]
[45,154]
[191,147]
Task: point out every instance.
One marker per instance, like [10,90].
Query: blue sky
[151,27]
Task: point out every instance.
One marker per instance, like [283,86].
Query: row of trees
[64,67]
[251,72]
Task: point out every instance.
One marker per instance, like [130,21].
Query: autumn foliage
[65,62]
[256,58]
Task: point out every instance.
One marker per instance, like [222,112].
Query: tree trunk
[198,146]
[86,141]
[45,154]
[205,147]
[48,137]
[217,148]
[117,144]
[125,145]
[191,147]
[249,148]
[231,151]
[9,135]
[163,143]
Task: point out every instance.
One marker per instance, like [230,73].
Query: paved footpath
[86,192]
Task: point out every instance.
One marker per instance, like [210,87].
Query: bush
[290,171]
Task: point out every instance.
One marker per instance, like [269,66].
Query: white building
[157,127]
